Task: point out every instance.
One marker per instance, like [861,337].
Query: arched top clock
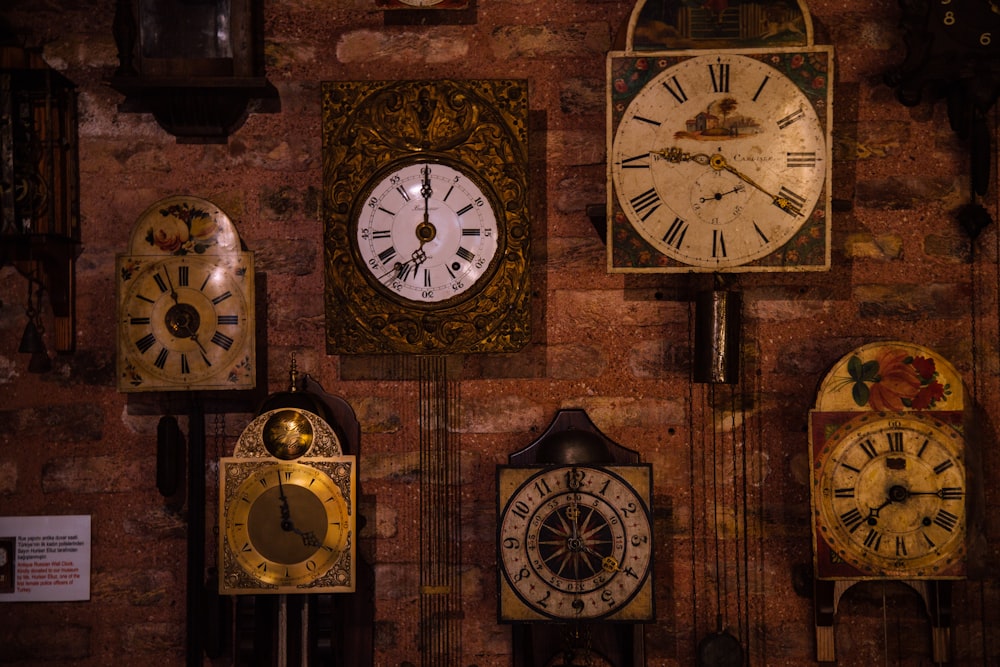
[719,140]
[186,314]
[889,489]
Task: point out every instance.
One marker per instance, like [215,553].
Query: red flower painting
[896,380]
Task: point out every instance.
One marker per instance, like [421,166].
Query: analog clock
[287,524]
[185,322]
[719,161]
[427,232]
[889,494]
[186,315]
[426,227]
[575,543]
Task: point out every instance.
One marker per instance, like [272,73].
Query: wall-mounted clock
[719,159]
[575,543]
[575,548]
[888,480]
[186,312]
[952,52]
[287,508]
[426,216]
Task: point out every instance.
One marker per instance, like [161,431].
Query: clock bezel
[493,202]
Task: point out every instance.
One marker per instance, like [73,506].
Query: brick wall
[619,347]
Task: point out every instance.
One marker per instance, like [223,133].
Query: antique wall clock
[287,508]
[186,312]
[888,480]
[575,547]
[719,153]
[426,216]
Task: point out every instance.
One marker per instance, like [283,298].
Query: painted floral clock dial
[718,161]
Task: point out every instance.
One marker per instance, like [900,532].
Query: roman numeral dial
[427,233]
[186,322]
[889,494]
[731,145]
[286,524]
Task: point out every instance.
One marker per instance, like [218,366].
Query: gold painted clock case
[186,314]
[426,219]
[888,473]
[287,508]
[718,137]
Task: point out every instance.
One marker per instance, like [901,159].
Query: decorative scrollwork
[371,128]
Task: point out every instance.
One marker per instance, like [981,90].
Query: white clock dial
[891,495]
[185,322]
[719,160]
[427,233]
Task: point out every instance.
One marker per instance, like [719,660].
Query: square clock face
[422,4]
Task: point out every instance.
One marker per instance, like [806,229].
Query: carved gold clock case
[287,508]
[426,216]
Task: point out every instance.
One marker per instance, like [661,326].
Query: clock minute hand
[718,163]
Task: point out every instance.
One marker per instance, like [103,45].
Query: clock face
[286,524]
[717,162]
[427,233]
[185,322]
[889,495]
[575,543]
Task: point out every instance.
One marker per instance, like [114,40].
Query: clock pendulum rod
[196,532]
[440,515]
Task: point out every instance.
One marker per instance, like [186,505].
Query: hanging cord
[721,610]
[692,501]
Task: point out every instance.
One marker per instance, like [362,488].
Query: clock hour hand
[173,290]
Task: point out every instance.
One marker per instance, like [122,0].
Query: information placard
[44,558]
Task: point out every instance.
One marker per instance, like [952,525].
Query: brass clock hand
[718,163]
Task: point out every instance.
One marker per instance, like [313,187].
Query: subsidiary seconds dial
[427,233]
[575,543]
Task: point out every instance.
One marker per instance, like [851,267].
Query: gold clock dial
[185,322]
[575,543]
[717,162]
[890,495]
[287,524]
